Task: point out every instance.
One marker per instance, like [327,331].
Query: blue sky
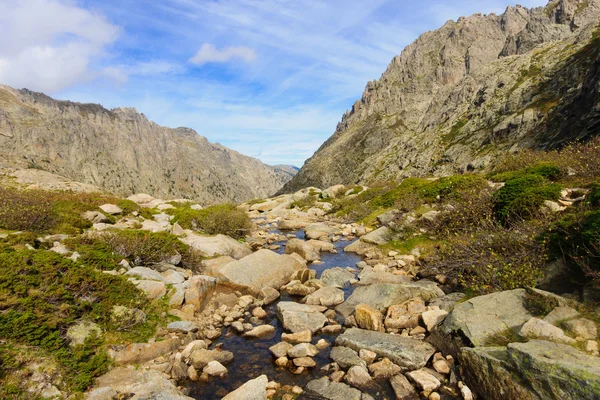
[268,78]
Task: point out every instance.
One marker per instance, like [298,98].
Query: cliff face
[459,97]
[122,151]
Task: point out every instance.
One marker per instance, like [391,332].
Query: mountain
[122,151]
[461,96]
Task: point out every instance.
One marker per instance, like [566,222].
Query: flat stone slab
[382,295]
[406,352]
[297,317]
[325,389]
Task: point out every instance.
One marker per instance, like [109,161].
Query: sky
[268,78]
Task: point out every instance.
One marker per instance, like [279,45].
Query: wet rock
[306,362]
[297,317]
[261,331]
[322,344]
[302,248]
[255,389]
[408,353]
[325,389]
[260,270]
[368,318]
[282,361]
[440,364]
[280,349]
[328,296]
[322,246]
[298,337]
[345,357]
[215,368]
[319,230]
[259,313]
[200,358]
[303,350]
[381,296]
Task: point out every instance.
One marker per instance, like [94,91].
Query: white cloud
[208,53]
[49,45]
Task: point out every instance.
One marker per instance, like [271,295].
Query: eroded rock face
[483,87]
[537,369]
[84,142]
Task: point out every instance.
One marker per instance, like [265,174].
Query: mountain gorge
[461,96]
[120,150]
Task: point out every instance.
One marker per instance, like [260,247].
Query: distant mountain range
[121,151]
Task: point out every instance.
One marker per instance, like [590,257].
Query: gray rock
[111,209]
[297,317]
[219,245]
[259,270]
[403,388]
[561,314]
[325,389]
[200,290]
[201,357]
[406,352]
[369,276]
[379,236]
[345,357]
[138,353]
[447,302]
[303,350]
[254,389]
[261,331]
[328,296]
[142,384]
[316,231]
[182,327]
[337,277]
[302,248]
[381,296]
[280,349]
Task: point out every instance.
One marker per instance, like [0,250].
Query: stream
[253,358]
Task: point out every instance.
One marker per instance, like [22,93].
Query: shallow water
[252,358]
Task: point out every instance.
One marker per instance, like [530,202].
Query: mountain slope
[122,151]
[461,96]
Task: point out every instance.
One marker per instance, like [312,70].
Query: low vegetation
[224,219]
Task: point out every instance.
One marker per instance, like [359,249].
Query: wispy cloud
[208,53]
[269,78]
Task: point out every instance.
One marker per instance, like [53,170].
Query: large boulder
[141,384]
[369,276]
[406,352]
[536,370]
[219,245]
[337,277]
[379,236]
[479,319]
[256,271]
[297,317]
[255,389]
[302,248]
[381,296]
[328,296]
[316,231]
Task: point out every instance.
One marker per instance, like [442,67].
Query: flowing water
[253,358]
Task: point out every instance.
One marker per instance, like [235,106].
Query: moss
[405,247]
[128,206]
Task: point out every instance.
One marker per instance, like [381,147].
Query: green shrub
[547,170]
[128,206]
[522,197]
[594,195]
[43,293]
[224,219]
[492,260]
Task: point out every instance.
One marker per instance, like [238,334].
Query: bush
[547,170]
[594,195]
[304,203]
[127,206]
[224,219]
[492,260]
[43,293]
[522,197]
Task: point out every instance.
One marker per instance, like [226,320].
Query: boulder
[379,236]
[537,370]
[261,331]
[316,231]
[182,327]
[359,377]
[213,265]
[200,290]
[297,317]
[381,296]
[432,318]
[302,248]
[337,277]
[321,245]
[94,217]
[369,276]
[403,389]
[111,209]
[302,350]
[384,369]
[368,318]
[346,357]
[583,328]
[405,315]
[219,245]
[138,353]
[328,296]
[260,270]
[298,337]
[142,384]
[424,380]
[406,352]
[280,349]
[360,247]
[145,273]
[215,368]
[560,314]
[254,389]
[201,357]
[538,329]
[152,289]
